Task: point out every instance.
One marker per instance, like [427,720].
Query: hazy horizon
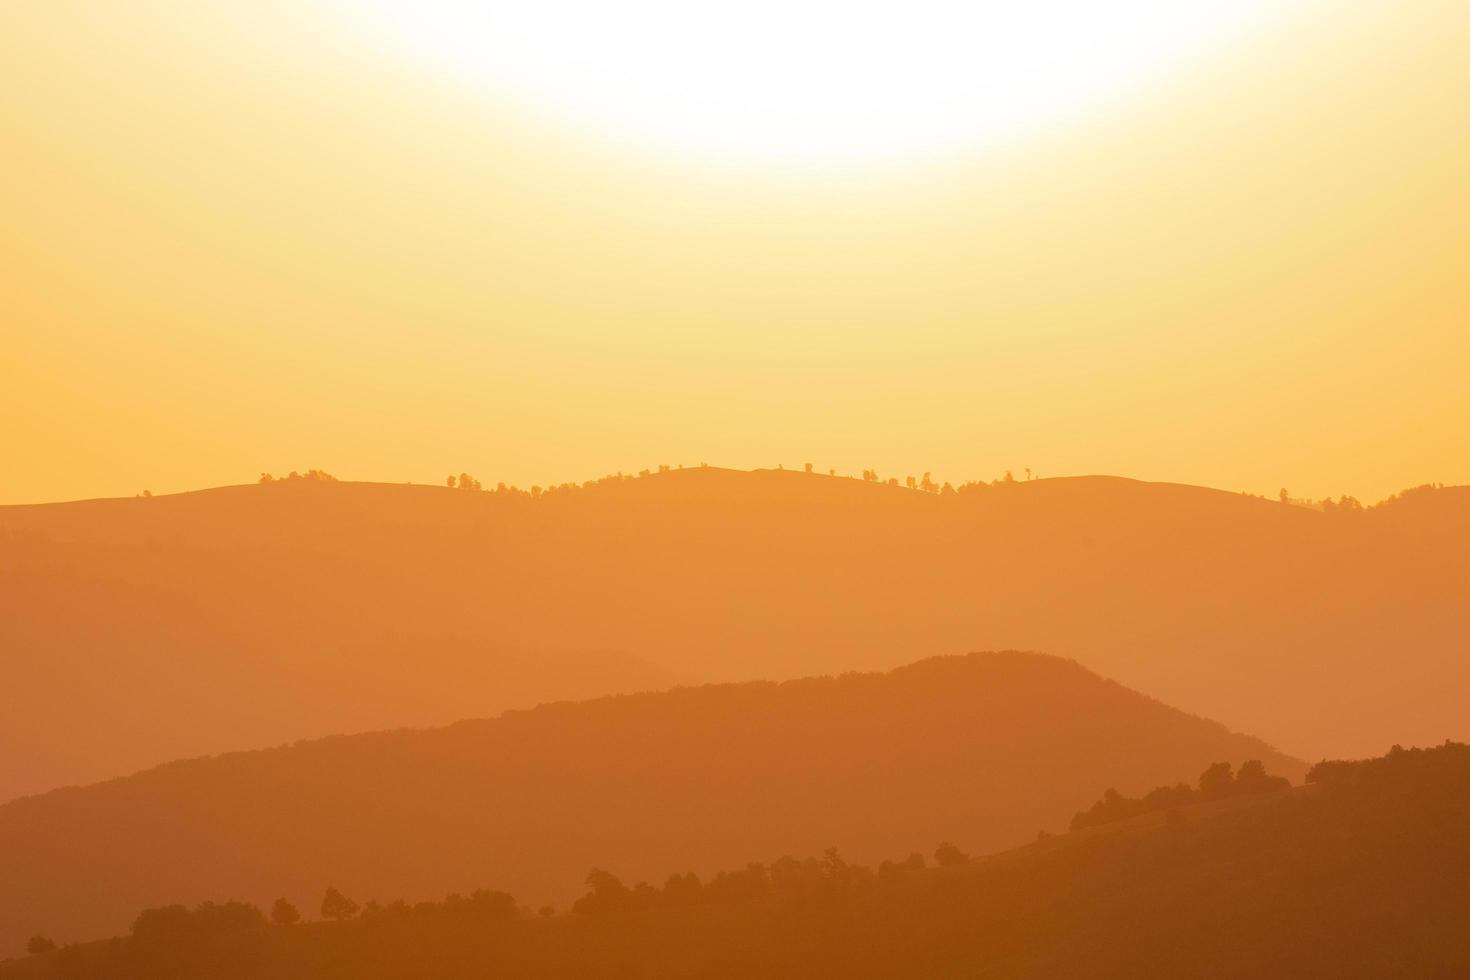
[247,235]
[490,481]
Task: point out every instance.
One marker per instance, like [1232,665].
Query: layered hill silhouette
[138,630]
[1359,874]
[983,750]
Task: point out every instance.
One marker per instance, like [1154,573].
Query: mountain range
[143,629]
[984,750]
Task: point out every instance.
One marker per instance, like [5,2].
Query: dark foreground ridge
[1363,873]
[984,750]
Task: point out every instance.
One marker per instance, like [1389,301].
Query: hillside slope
[1364,873]
[148,629]
[983,750]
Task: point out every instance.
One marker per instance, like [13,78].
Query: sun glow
[802,80]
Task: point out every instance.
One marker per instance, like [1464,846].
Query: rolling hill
[1363,873]
[983,750]
[143,629]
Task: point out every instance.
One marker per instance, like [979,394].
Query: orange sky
[236,238]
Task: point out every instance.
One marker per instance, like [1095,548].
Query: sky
[262,237]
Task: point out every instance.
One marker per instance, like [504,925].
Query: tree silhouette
[608,893]
[1252,778]
[1251,772]
[946,855]
[1217,781]
[337,906]
[162,925]
[38,945]
[283,913]
[682,889]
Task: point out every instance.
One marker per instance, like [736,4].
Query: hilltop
[983,750]
[1359,874]
[143,629]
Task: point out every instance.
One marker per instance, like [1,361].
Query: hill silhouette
[983,750]
[1360,874]
[146,629]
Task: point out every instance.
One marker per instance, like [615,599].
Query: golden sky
[242,237]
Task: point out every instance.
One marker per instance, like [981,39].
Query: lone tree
[283,913]
[608,893]
[946,855]
[1217,782]
[337,906]
[38,945]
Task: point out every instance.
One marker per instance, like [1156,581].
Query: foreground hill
[983,750]
[140,630]
[1364,873]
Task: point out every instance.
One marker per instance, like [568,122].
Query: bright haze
[832,82]
[1218,244]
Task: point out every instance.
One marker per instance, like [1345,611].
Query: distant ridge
[984,750]
[150,628]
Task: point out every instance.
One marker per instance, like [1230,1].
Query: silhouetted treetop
[310,476]
[175,923]
[1358,876]
[283,913]
[335,905]
[1218,782]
